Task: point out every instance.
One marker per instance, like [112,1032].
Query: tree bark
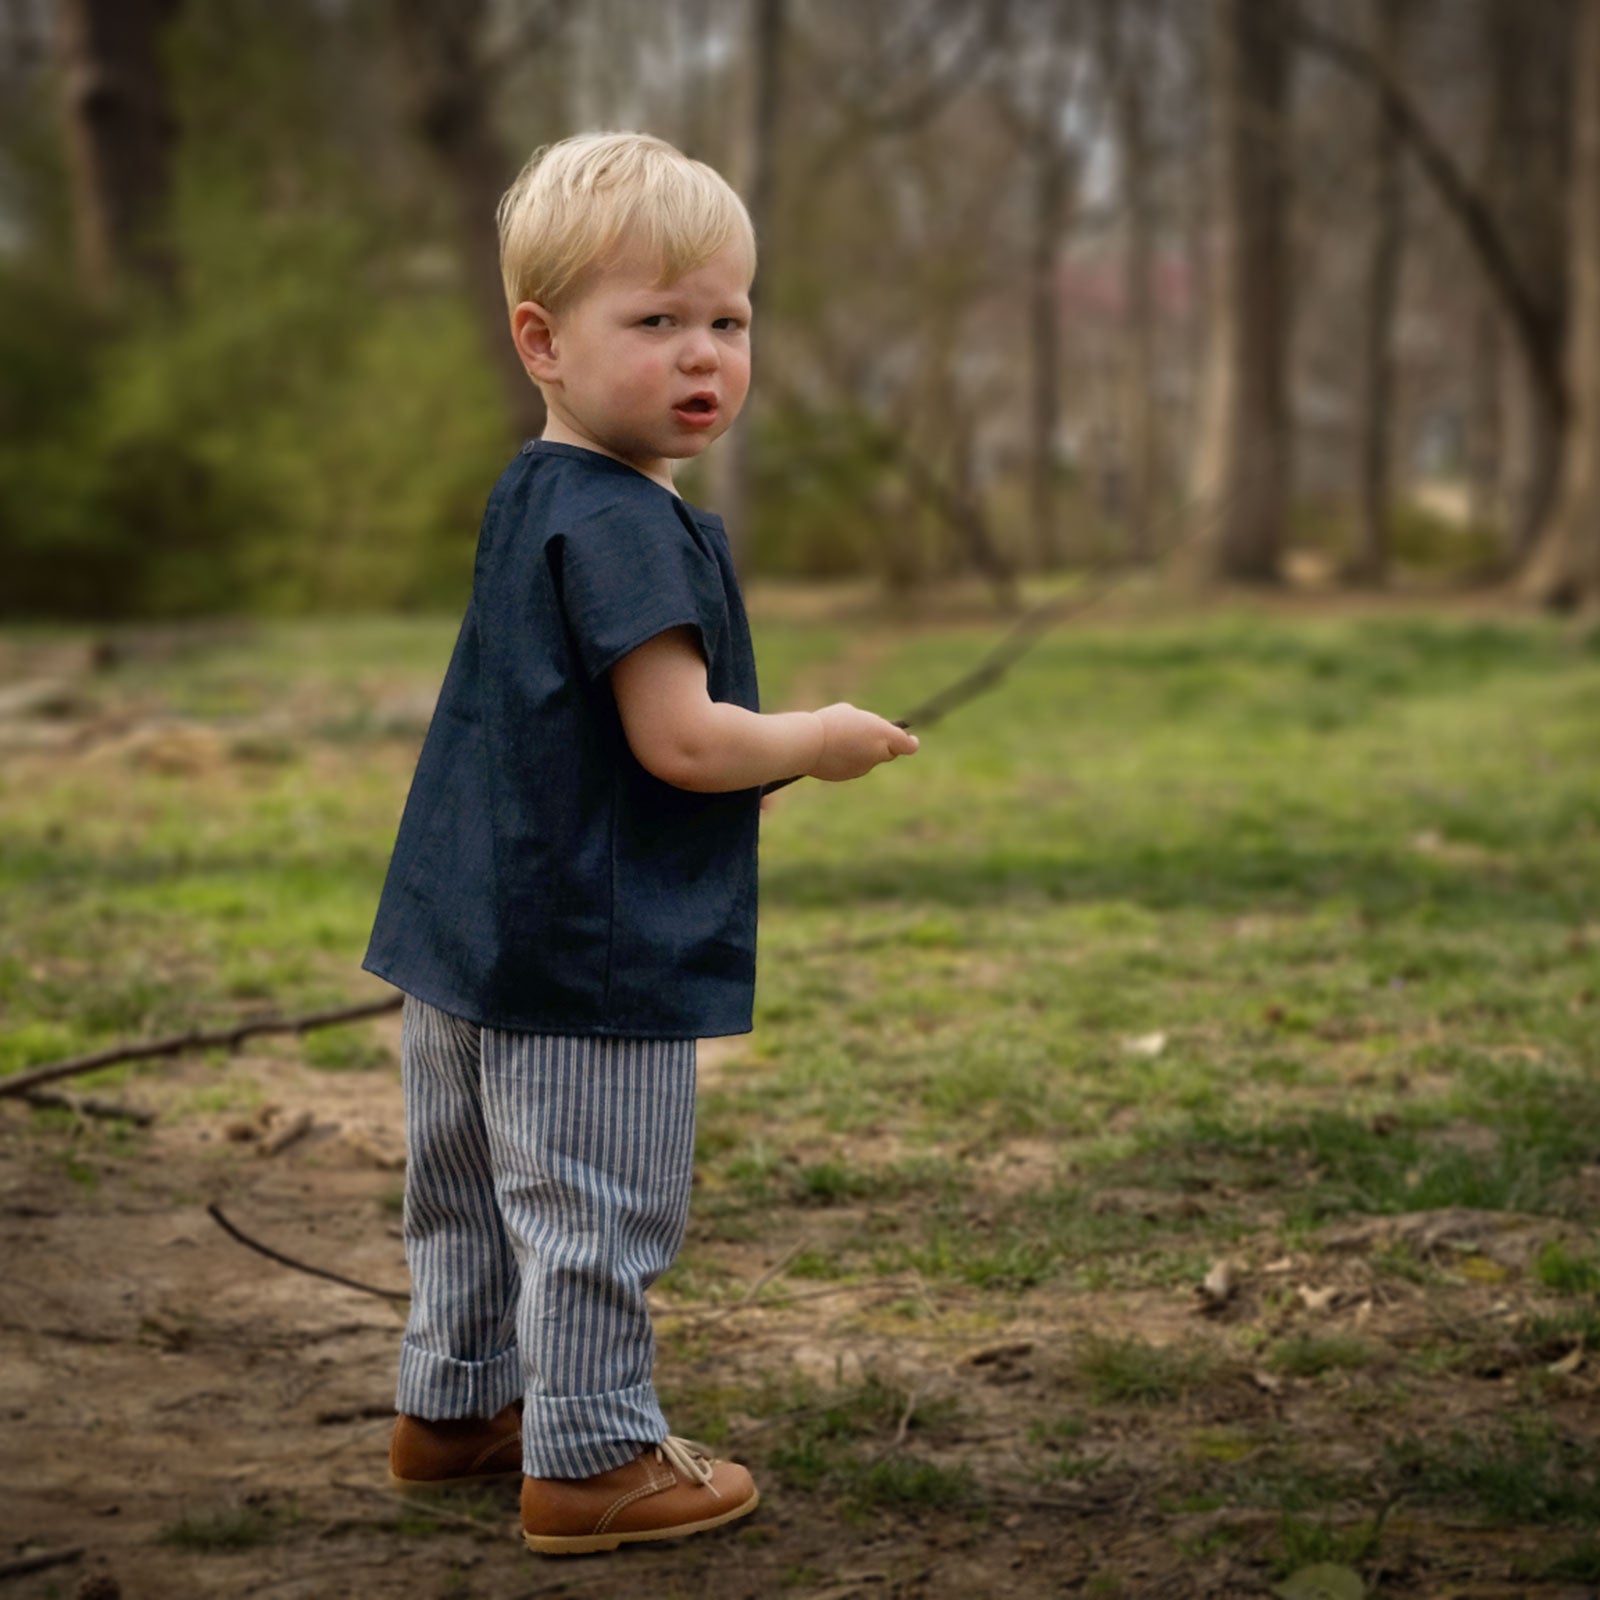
[1242,470]
[1530,51]
[1534,316]
[1485,430]
[1565,569]
[1370,564]
[450,95]
[1050,185]
[119,138]
[1052,164]
[1128,66]
[766,113]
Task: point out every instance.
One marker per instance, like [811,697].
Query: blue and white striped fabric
[547,1186]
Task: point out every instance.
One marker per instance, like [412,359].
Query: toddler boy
[571,902]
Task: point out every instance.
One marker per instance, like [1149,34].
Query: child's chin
[685,449]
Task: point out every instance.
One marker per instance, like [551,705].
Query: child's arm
[681,735]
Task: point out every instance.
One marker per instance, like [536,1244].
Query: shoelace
[685,1456]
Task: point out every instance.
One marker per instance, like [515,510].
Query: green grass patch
[1310,1355]
[1131,1372]
[1553,1334]
[1560,1269]
[859,1446]
[1312,1541]
[1529,1473]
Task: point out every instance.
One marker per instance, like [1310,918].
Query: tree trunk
[450,96]
[1370,564]
[1530,53]
[1050,180]
[735,456]
[1524,275]
[1485,422]
[1197,205]
[119,138]
[1141,426]
[1242,469]
[1565,569]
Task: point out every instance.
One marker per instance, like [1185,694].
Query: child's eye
[728,324]
[658,320]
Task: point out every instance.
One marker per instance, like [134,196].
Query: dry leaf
[1148,1045]
[1218,1286]
[1569,1363]
[1318,1300]
[297,1127]
[1324,1581]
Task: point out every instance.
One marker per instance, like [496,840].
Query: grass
[1579,1563]
[1131,1372]
[1528,1473]
[1310,1355]
[861,1446]
[1566,1272]
[1193,939]
[241,1527]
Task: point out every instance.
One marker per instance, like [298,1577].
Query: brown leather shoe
[674,1488]
[425,1456]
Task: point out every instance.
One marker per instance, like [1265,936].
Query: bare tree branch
[864,118]
[1536,328]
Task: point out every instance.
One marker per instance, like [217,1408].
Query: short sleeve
[628,572]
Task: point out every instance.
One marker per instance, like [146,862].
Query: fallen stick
[776,1270]
[86,1105]
[42,1562]
[214,1211]
[228,1038]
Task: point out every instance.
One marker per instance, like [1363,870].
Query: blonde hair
[577,202]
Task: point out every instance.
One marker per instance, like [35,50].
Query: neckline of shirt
[575,452]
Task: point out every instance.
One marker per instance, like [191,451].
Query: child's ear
[534,334]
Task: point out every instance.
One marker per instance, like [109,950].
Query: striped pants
[547,1186]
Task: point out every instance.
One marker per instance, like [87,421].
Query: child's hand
[855,741]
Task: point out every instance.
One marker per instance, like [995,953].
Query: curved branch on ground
[219,1038]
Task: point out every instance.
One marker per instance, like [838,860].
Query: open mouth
[698,411]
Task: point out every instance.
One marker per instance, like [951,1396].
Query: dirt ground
[156,1371]
[158,1377]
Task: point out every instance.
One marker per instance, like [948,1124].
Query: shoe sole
[594,1543]
[423,1488]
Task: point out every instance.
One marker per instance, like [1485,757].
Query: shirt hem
[553,1027]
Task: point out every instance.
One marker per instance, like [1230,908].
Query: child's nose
[699,351]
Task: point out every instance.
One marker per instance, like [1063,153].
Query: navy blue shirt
[542,879]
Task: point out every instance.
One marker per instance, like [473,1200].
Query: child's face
[644,372]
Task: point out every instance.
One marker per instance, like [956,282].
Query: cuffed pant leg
[593,1142]
[458,1357]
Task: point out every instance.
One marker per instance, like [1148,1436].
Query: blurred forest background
[1302,288]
